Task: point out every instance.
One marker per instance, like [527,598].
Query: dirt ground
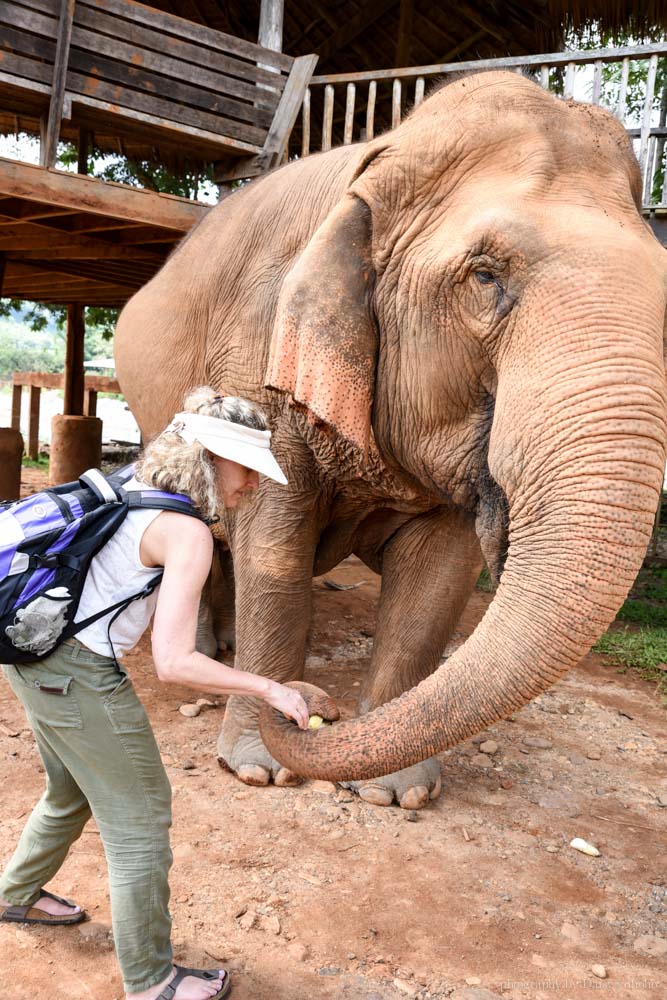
[310,893]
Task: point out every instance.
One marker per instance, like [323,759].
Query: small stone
[323,787]
[190,711]
[182,852]
[571,932]
[188,765]
[412,816]
[297,951]
[351,956]
[506,783]
[488,746]
[599,971]
[206,703]
[552,849]
[662,800]
[473,981]
[239,911]
[537,742]
[594,755]
[271,924]
[584,847]
[651,944]
[94,931]
[247,920]
[481,760]
[480,738]
[407,989]
[329,970]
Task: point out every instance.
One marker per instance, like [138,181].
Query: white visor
[227,439]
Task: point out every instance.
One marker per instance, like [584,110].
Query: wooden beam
[74,374]
[366,16]
[55,380]
[33,422]
[404,33]
[32,238]
[82,151]
[288,109]
[49,149]
[3,259]
[271,15]
[89,194]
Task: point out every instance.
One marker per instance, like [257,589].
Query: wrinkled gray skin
[468,315]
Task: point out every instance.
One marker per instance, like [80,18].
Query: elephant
[457,331]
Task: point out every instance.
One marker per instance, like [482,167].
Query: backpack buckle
[49,561]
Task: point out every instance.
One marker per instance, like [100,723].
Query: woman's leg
[54,824]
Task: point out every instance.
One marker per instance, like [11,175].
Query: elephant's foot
[412,788]
[252,763]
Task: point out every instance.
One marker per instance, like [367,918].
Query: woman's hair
[170,464]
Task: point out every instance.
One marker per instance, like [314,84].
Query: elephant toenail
[415,798]
[253,774]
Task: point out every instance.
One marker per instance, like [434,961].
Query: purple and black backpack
[47,542]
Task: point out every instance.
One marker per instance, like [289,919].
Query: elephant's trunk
[578,447]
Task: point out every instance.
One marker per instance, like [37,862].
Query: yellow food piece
[315,721]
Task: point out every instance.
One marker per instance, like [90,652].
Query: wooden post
[271,24]
[73,382]
[49,147]
[270,34]
[404,33]
[83,144]
[90,402]
[33,422]
[17,393]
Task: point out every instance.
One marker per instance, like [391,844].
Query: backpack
[47,542]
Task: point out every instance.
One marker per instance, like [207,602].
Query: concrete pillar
[11,453]
[76,445]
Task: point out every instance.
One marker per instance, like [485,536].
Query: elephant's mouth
[492,524]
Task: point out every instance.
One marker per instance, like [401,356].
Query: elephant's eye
[486,277]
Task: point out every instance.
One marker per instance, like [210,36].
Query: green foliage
[24,348]
[644,649]
[484,582]
[35,463]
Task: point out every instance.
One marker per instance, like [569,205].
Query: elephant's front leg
[273,546]
[429,570]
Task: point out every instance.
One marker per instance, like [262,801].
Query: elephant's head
[486,307]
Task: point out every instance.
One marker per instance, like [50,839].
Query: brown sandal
[31,915]
[169,990]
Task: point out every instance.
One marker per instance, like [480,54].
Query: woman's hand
[289,702]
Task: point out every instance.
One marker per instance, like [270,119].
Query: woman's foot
[52,906]
[189,988]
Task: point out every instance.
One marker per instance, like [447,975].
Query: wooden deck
[66,238]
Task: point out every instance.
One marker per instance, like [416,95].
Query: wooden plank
[169,24]
[94,112]
[137,48]
[396,93]
[568,87]
[49,150]
[90,65]
[182,62]
[646,115]
[305,124]
[354,26]
[33,238]
[327,117]
[419,91]
[508,62]
[88,194]
[370,109]
[90,402]
[3,261]
[271,14]
[56,380]
[544,77]
[73,375]
[349,114]
[288,109]
[120,100]
[33,422]
[597,82]
[623,90]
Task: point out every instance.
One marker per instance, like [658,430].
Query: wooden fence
[349,107]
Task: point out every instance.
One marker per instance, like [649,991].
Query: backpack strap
[100,485]
[158,500]
[118,607]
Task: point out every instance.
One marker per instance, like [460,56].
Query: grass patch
[35,463]
[642,645]
[643,649]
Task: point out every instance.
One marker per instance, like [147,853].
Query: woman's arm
[184,546]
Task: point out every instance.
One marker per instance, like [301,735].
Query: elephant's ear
[324,345]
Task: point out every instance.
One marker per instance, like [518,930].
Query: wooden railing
[36,381]
[349,107]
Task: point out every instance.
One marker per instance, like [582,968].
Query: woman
[96,743]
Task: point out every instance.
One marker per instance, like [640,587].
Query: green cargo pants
[100,757]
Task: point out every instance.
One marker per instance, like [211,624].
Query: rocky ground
[310,893]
